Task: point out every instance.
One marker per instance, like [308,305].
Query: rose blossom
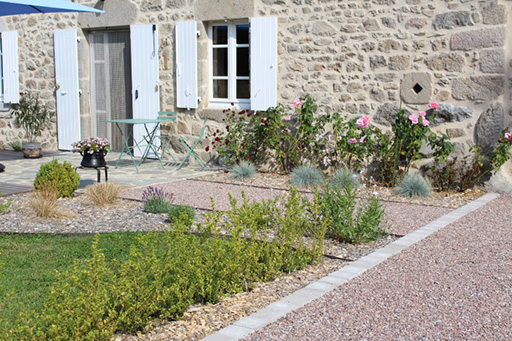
[297,102]
[414,118]
[433,105]
[425,122]
[352,140]
[361,140]
[508,136]
[287,118]
[422,114]
[363,122]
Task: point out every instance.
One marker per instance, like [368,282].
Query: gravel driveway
[455,284]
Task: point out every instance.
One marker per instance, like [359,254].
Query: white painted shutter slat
[145,79]
[263,46]
[186,63]
[67,94]
[10,67]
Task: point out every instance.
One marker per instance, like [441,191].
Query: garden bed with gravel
[127,214]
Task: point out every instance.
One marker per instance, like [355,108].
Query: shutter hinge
[198,33]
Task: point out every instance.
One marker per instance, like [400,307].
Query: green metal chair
[190,143]
[165,139]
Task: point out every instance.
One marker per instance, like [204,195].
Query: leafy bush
[103,193]
[244,170]
[44,203]
[61,176]
[31,115]
[306,175]
[166,272]
[344,177]
[414,185]
[156,200]
[5,206]
[184,213]
[349,221]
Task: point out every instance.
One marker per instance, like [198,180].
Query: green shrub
[61,176]
[156,200]
[349,221]
[5,206]
[414,185]
[244,170]
[344,177]
[306,175]
[184,213]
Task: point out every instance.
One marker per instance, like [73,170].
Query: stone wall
[357,57]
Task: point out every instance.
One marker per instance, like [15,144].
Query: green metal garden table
[147,143]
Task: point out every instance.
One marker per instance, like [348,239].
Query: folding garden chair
[189,143]
[165,139]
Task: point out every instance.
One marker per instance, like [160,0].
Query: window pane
[220,88]
[220,35]
[242,34]
[243,89]
[220,62]
[242,61]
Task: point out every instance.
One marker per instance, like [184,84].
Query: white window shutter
[67,94]
[145,79]
[186,65]
[263,47]
[10,67]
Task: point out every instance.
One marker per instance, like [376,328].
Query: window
[229,64]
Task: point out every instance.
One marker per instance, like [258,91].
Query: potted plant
[93,151]
[33,116]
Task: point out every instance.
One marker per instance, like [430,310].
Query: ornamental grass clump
[244,170]
[103,193]
[306,175]
[344,177]
[44,203]
[414,185]
[156,200]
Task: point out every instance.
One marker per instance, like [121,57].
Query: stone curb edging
[299,298]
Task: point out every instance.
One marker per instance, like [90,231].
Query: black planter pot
[94,160]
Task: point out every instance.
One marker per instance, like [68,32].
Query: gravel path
[455,284]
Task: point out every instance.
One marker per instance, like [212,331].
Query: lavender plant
[156,200]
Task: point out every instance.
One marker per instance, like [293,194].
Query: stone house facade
[356,57]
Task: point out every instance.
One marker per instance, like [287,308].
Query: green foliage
[31,115]
[414,185]
[244,170]
[444,175]
[156,200]
[166,272]
[306,175]
[349,221]
[344,177]
[5,206]
[183,213]
[17,146]
[61,176]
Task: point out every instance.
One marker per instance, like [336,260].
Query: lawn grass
[30,260]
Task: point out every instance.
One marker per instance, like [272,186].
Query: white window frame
[222,103]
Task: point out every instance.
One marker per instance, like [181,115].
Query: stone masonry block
[416,88]
[492,61]
[478,39]
[495,14]
[478,88]
[451,62]
[451,20]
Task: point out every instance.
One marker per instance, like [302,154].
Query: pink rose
[422,114]
[297,102]
[352,140]
[361,140]
[508,136]
[414,118]
[433,105]
[287,118]
[363,122]
[425,122]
